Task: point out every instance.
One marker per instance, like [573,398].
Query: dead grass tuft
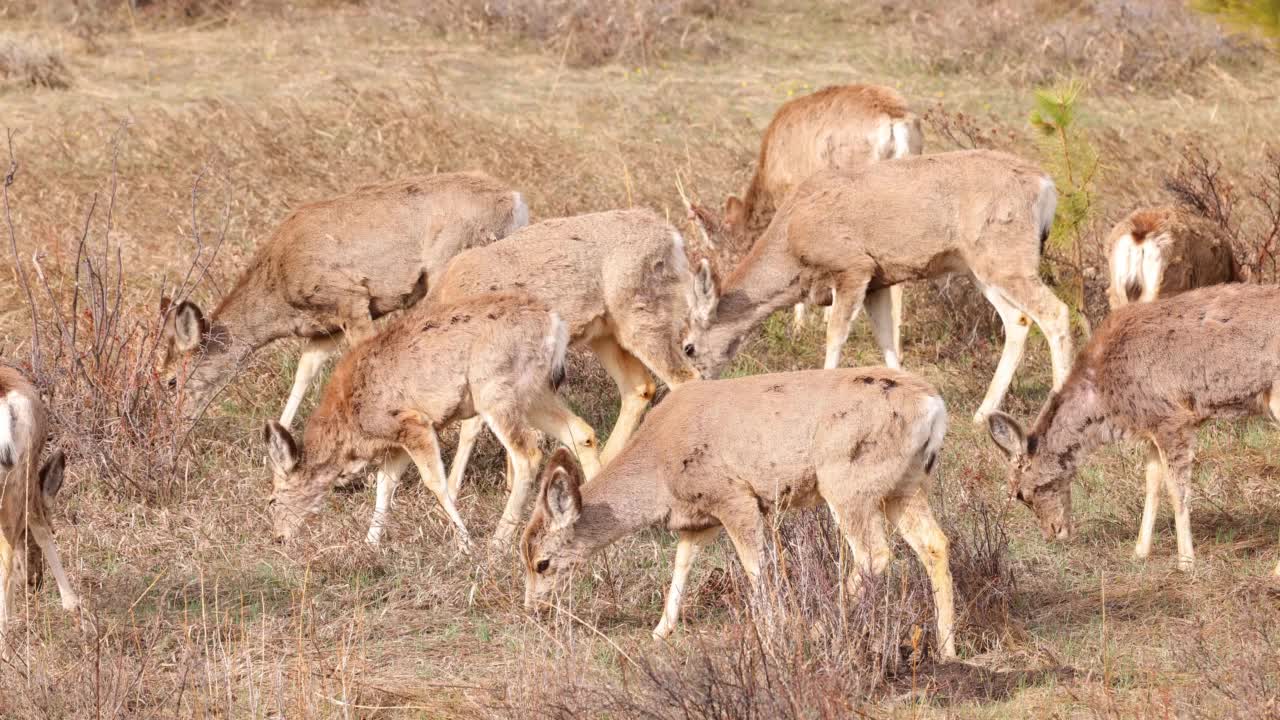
[27,62]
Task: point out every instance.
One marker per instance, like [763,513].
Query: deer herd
[843,209]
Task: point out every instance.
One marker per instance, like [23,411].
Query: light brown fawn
[865,231]
[329,271]
[843,127]
[621,282]
[27,492]
[496,357]
[1153,371]
[1160,251]
[731,453]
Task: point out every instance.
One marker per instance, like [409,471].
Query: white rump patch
[932,428]
[519,212]
[901,139]
[1046,206]
[15,427]
[882,141]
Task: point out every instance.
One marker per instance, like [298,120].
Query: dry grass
[25,62]
[191,612]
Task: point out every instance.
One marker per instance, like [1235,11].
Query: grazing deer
[27,491]
[621,282]
[1154,371]
[1160,251]
[330,270]
[496,357]
[836,128]
[863,440]
[865,231]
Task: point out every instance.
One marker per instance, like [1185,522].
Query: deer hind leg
[467,434]
[880,311]
[393,467]
[550,415]
[314,355]
[635,385]
[846,300]
[1016,327]
[1156,470]
[915,522]
[1177,449]
[423,446]
[744,524]
[1031,297]
[687,548]
[44,538]
[521,445]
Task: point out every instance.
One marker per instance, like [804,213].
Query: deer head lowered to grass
[863,441]
[331,269]
[1153,372]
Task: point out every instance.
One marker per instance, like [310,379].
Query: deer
[864,231]
[621,282]
[328,272]
[498,357]
[864,441]
[1160,251]
[1152,372]
[842,127]
[27,493]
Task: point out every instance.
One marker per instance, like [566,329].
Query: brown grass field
[156,135]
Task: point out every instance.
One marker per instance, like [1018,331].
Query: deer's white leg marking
[389,474]
[314,355]
[686,550]
[1155,477]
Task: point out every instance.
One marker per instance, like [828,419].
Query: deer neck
[1072,426]
[767,280]
[625,498]
[251,316]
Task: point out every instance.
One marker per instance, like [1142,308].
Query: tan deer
[27,491]
[864,441]
[496,357]
[1153,371]
[621,282]
[843,127]
[1161,251]
[865,231]
[330,270]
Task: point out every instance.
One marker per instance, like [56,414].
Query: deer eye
[542,566]
[688,349]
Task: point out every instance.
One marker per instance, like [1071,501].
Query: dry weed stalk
[95,357]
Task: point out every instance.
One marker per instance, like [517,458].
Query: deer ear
[560,495]
[281,447]
[189,327]
[51,475]
[1007,435]
[705,296]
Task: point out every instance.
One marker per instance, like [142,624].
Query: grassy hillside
[166,135]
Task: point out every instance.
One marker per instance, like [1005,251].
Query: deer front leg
[423,447]
[687,548]
[915,522]
[635,385]
[467,434]
[1155,476]
[44,538]
[312,360]
[393,467]
[797,321]
[863,530]
[6,590]
[846,300]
